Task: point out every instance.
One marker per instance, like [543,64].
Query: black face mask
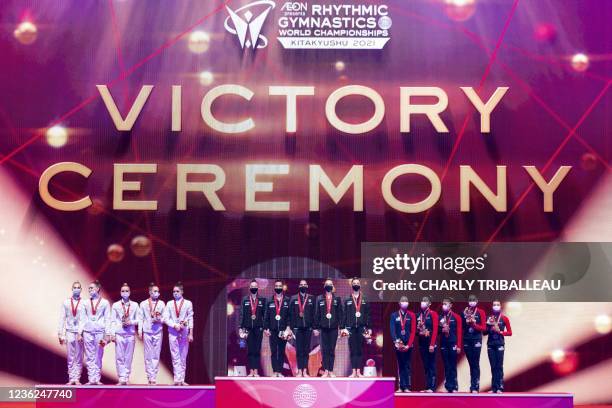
[356,287]
[253,290]
[278,290]
[328,288]
[303,289]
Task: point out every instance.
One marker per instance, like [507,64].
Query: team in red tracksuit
[427,329]
[451,340]
[403,329]
[498,328]
[473,319]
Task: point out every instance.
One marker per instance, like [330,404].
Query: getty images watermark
[527,271]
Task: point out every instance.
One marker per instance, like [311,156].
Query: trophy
[444,322]
[243,333]
[157,317]
[470,316]
[421,328]
[367,335]
[491,321]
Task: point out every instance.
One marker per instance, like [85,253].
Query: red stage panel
[506,400]
[241,392]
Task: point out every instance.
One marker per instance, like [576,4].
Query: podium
[374,392]
[483,400]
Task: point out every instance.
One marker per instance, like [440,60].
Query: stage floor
[246,392]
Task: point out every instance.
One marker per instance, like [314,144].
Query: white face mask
[404,305]
[76,292]
[497,308]
[177,296]
[473,303]
[446,307]
[125,296]
[424,305]
[154,295]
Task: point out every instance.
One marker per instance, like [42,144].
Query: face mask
[473,303]
[303,289]
[125,296]
[328,288]
[356,287]
[446,308]
[76,292]
[278,290]
[404,305]
[93,294]
[177,296]
[154,295]
[497,309]
[424,305]
[253,290]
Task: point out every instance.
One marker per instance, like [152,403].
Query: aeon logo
[304,395]
[246,23]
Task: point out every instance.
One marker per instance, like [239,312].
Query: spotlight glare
[557,356]
[379,340]
[206,78]
[340,66]
[230,308]
[580,62]
[57,136]
[26,32]
[199,42]
[603,324]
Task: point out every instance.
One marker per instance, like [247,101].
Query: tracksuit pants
[124,353]
[329,337]
[403,368]
[302,345]
[429,365]
[254,347]
[496,359]
[449,357]
[356,347]
[472,348]
[74,354]
[277,351]
[93,355]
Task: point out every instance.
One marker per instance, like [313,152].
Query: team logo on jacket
[246,25]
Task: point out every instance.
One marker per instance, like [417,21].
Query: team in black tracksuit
[278,305]
[328,318]
[301,317]
[253,320]
[450,346]
[427,330]
[498,327]
[357,321]
[473,319]
[403,330]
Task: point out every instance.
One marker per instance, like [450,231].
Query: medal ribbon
[125,312]
[74,308]
[253,305]
[277,304]
[403,320]
[301,305]
[177,310]
[94,309]
[357,304]
[152,309]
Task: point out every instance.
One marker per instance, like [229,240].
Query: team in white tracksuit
[95,332]
[123,331]
[178,316]
[70,333]
[150,329]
